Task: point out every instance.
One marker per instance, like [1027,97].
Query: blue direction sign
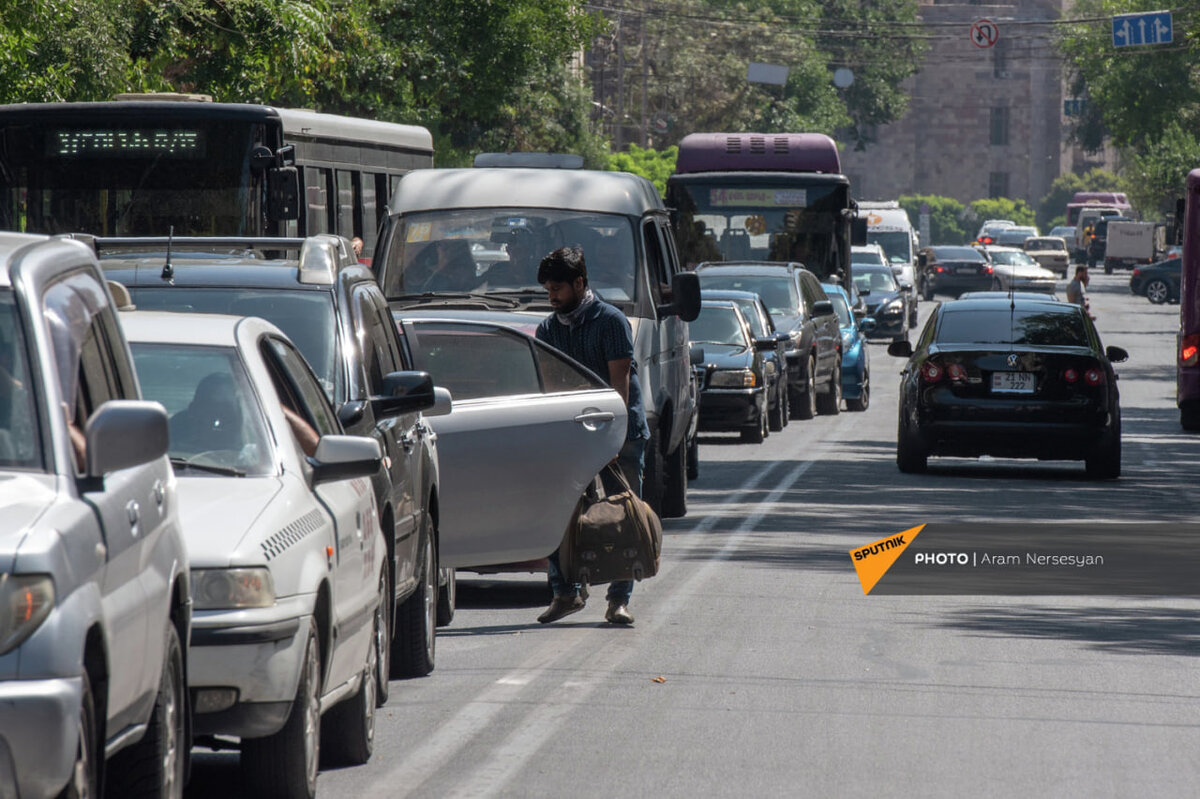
[1131,30]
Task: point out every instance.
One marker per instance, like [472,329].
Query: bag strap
[619,476]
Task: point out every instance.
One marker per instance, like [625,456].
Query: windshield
[717,324]
[19,447]
[129,179]
[306,317]
[1002,326]
[1045,244]
[771,219]
[215,416]
[749,309]
[1012,258]
[864,256]
[876,281]
[896,244]
[958,254]
[841,309]
[498,250]
[778,292]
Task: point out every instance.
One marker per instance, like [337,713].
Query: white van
[888,226]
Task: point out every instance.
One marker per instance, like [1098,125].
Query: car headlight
[25,602]
[795,336]
[733,378]
[892,306]
[229,589]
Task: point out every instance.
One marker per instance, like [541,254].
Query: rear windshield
[717,324]
[779,292]
[1002,326]
[958,254]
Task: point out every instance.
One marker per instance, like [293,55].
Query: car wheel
[758,432]
[348,729]
[447,598]
[693,458]
[863,400]
[85,774]
[926,291]
[830,403]
[285,764]
[1189,417]
[785,398]
[997,285]
[653,484]
[775,417]
[383,639]
[675,490]
[806,398]
[1157,291]
[155,765]
[1105,462]
[414,647]
[1108,268]
[911,455]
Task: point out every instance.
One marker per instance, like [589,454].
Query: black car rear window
[1039,327]
[958,254]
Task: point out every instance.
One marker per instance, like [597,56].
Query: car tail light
[1071,376]
[1136,272]
[932,372]
[987,270]
[939,269]
[1093,377]
[1189,351]
[956,372]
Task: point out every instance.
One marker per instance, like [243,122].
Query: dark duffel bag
[617,537]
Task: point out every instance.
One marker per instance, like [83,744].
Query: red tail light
[956,372]
[932,372]
[1070,375]
[1093,377]
[987,270]
[939,269]
[1189,351]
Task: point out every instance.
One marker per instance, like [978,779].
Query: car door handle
[133,511]
[159,493]
[408,440]
[595,417]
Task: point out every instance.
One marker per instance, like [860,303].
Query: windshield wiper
[227,471]
[454,297]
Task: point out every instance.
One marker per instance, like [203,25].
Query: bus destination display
[125,143]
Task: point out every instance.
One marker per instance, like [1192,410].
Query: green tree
[1003,208]
[654,165]
[1158,174]
[1053,206]
[945,218]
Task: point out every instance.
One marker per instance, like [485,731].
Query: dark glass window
[1002,326]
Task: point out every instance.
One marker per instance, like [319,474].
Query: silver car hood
[217,512]
[24,498]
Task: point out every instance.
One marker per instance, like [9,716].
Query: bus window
[317,218]
[345,204]
[369,221]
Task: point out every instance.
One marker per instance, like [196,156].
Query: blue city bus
[764,197]
[144,164]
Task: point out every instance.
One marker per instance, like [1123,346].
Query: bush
[654,165]
[945,218]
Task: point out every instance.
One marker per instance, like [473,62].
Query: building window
[999,126]
[997,184]
[1000,59]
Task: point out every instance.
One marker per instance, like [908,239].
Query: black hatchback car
[733,393]
[952,270]
[888,303]
[1015,378]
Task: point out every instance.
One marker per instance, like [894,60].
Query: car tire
[1104,463]
[785,397]
[806,398]
[85,774]
[383,639]
[675,489]
[447,599]
[1157,291]
[414,647]
[830,403]
[757,433]
[284,765]
[1108,268]
[863,400]
[348,729]
[1189,416]
[926,291]
[653,480]
[775,418]
[693,458]
[997,285]
[155,766]
[911,455]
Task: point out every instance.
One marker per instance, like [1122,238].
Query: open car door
[529,430]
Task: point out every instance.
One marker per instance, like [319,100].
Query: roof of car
[185,328]
[1001,301]
[757,268]
[567,189]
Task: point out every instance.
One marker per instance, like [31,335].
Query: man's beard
[565,307]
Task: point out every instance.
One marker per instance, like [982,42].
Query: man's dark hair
[1081,269]
[563,266]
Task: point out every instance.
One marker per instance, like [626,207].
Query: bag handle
[619,475]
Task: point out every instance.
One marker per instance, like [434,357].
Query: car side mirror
[822,308]
[345,458]
[121,434]
[695,355]
[858,231]
[900,349]
[1116,354]
[685,297]
[922,260]
[283,193]
[443,403]
[765,344]
[859,313]
[907,288]
[404,392]
[782,337]
[867,325]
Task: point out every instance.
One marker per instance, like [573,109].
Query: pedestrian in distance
[599,336]
[1077,289]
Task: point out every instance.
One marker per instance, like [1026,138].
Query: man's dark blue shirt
[603,335]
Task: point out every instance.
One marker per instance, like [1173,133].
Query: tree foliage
[654,165]
[945,218]
[1002,208]
[1052,208]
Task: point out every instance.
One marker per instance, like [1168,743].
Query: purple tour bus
[1187,373]
[764,197]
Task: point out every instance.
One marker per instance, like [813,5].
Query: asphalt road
[757,667]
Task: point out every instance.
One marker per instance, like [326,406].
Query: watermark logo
[873,560]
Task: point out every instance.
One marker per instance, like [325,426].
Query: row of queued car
[952,270]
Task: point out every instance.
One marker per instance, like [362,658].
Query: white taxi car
[287,555]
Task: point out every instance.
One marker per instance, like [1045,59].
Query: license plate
[967,270]
[1012,382]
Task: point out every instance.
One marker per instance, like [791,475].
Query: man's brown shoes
[562,606]
[618,614]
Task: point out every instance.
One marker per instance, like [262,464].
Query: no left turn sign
[984,33]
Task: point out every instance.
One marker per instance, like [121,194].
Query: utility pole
[619,129]
[645,81]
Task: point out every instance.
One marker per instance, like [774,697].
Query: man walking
[598,336]
[1077,289]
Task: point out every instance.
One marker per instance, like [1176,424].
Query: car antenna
[168,271]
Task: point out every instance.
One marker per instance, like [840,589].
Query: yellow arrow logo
[873,560]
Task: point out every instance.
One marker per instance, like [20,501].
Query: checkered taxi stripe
[289,536]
